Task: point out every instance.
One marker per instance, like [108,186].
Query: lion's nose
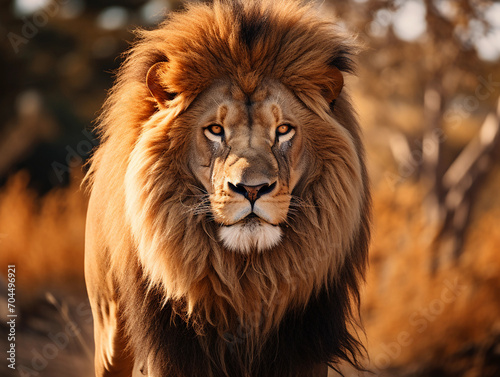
[252,193]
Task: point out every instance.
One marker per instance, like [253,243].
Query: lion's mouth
[252,221]
[251,217]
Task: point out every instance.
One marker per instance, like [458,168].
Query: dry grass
[415,319]
[43,237]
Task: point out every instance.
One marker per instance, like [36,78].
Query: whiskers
[299,206]
[300,210]
[202,207]
[197,202]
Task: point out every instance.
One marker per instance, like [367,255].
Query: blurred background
[427,94]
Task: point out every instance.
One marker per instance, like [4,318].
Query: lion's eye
[216,129]
[283,129]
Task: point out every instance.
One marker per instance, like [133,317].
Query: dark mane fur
[318,334]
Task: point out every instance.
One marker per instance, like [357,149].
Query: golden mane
[151,194]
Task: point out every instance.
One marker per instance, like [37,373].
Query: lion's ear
[155,83]
[334,84]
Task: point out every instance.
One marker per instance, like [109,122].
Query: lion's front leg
[111,355]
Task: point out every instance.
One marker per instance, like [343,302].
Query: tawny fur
[143,190]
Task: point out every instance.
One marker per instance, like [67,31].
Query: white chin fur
[248,236]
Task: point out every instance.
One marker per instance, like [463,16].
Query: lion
[229,213]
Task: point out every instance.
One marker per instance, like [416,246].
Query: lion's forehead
[250,127]
[253,115]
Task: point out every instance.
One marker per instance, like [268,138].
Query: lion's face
[248,155]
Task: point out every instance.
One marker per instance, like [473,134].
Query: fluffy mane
[176,270]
